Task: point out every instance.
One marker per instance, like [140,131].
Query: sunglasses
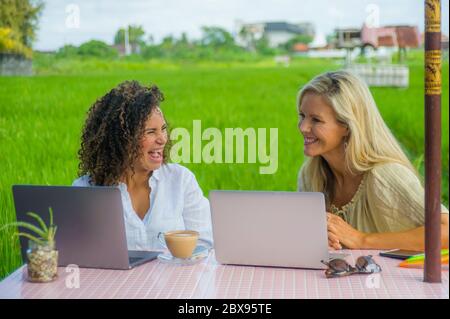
[340,268]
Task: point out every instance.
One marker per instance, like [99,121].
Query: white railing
[381,74]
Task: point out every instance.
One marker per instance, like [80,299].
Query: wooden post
[432,268]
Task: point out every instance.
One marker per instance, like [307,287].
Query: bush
[97,48]
[67,51]
[93,48]
[9,43]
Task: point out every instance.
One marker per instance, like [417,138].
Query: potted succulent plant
[41,254]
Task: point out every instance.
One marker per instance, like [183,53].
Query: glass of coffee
[181,243]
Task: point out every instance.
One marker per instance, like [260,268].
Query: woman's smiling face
[322,132]
[153,142]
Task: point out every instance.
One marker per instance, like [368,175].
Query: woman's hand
[333,242]
[342,234]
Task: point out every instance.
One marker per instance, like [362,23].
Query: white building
[276,33]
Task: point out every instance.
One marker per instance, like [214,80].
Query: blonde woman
[374,197]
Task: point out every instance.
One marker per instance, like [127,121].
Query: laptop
[279,229]
[90,221]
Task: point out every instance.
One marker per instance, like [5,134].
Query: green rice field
[41,119]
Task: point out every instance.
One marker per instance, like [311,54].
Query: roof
[347,30]
[282,26]
[300,47]
[391,36]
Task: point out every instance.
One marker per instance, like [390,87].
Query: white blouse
[176,203]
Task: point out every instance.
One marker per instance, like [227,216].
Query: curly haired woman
[125,143]
[374,197]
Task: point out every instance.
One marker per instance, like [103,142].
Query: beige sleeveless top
[390,198]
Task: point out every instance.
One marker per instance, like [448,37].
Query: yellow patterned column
[432,269]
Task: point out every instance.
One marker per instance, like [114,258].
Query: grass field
[41,118]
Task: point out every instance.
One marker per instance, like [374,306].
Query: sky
[77,21]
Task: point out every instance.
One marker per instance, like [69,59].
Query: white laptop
[280,229]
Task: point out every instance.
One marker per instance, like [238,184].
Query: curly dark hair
[113,129]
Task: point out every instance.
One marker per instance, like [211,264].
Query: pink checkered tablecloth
[208,279]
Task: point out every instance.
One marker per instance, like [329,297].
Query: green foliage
[67,51]
[22,17]
[9,43]
[216,44]
[152,51]
[217,37]
[93,48]
[263,48]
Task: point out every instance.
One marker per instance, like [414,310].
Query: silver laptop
[90,221]
[281,229]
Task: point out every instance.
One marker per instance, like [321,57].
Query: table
[209,279]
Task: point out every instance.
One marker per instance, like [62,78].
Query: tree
[67,51]
[10,43]
[262,46]
[249,38]
[184,39]
[97,49]
[217,37]
[135,33]
[22,16]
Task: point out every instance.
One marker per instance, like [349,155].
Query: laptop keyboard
[132,260]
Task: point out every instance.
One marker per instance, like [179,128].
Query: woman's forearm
[413,239]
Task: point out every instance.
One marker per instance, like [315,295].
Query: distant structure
[395,36]
[400,37]
[133,48]
[276,33]
[12,64]
[300,48]
[347,38]
[444,42]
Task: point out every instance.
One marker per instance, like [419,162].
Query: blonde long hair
[369,143]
